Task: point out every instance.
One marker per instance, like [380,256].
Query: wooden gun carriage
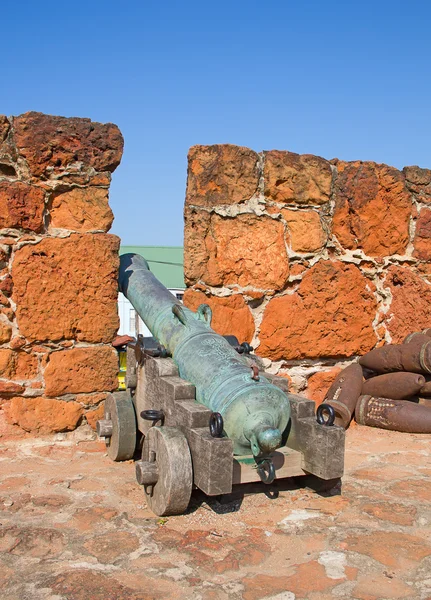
[180,451]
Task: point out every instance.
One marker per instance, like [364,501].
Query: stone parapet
[58,269]
[315,262]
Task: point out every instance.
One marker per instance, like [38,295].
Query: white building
[166,263]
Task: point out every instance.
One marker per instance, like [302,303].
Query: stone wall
[58,270]
[312,261]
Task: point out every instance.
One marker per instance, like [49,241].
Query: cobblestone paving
[74,526]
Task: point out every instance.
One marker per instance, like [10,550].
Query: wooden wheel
[166,471]
[119,426]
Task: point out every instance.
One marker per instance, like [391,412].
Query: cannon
[201,409]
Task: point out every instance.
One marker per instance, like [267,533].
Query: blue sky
[345,79]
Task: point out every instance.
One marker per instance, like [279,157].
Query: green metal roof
[166,262]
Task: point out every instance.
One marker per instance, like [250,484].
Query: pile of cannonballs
[389,387]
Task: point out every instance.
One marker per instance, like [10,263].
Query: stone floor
[74,526]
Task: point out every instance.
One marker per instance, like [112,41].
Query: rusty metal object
[397,386]
[417,337]
[344,393]
[255,371]
[427,331]
[426,388]
[414,358]
[396,415]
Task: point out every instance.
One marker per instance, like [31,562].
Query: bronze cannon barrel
[254,411]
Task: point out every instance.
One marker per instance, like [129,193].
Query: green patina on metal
[247,460]
[255,412]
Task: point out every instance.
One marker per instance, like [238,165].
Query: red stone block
[4,127]
[81,209]
[5,332]
[231,315]
[411,301]
[221,174]
[8,388]
[419,181]
[67,288]
[44,415]
[81,370]
[6,285]
[331,314]
[19,366]
[319,383]
[93,416]
[296,178]
[21,206]
[50,144]
[306,232]
[246,250]
[422,241]
[372,208]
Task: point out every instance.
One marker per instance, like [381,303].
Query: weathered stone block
[91,399]
[231,315]
[419,181]
[5,332]
[17,365]
[4,300]
[25,366]
[8,388]
[67,288]
[43,415]
[319,383]
[372,208]
[4,127]
[18,342]
[81,370]
[5,360]
[422,241]
[8,154]
[93,416]
[296,178]
[50,144]
[410,309]
[6,285]
[4,257]
[247,250]
[21,206]
[305,229]
[330,315]
[221,174]
[196,245]
[82,209]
